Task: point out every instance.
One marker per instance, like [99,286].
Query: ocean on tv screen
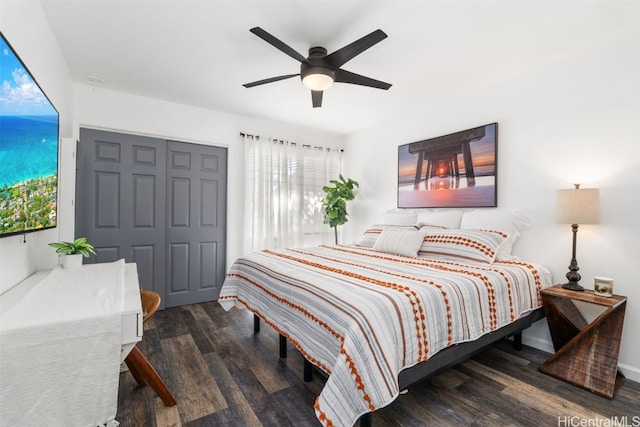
[28,177]
[28,148]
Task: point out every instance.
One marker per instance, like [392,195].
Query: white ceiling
[199,53]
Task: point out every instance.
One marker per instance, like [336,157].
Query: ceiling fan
[319,71]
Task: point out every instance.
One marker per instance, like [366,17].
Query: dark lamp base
[574,286]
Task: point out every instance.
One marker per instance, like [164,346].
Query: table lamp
[577,206]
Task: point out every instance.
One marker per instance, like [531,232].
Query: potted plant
[71,253]
[335,202]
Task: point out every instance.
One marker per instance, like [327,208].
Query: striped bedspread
[362,316]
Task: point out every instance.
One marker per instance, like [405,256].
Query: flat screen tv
[29,129]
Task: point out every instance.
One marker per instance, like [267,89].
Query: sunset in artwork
[455,170]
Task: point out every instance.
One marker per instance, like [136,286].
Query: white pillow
[398,217]
[370,235]
[477,245]
[508,222]
[399,241]
[448,219]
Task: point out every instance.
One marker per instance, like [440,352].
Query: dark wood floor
[221,374]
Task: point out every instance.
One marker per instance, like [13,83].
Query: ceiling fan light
[318,78]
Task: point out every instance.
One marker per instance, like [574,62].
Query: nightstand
[586,353]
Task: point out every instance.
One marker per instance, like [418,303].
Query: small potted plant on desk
[71,253]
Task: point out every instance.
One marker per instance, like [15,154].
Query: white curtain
[283,193]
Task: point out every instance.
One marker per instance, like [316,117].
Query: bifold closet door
[121,199]
[158,203]
[196,222]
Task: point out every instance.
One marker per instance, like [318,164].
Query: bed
[385,313]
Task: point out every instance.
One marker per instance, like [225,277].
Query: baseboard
[537,342]
[632,373]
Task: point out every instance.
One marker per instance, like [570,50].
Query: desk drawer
[131,327]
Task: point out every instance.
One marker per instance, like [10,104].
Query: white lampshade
[317,81]
[578,206]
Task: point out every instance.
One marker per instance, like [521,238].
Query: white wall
[574,120]
[36,45]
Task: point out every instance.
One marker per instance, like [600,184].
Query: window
[283,193]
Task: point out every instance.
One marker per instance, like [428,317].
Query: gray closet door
[196,222]
[122,203]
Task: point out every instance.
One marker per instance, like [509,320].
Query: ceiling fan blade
[278,44]
[269,80]
[341,56]
[343,76]
[316,98]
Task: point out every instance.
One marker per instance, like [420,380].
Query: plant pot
[71,261]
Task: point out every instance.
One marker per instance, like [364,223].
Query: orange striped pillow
[478,245]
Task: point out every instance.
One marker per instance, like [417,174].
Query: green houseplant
[71,253]
[335,202]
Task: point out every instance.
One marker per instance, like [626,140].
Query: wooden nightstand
[586,353]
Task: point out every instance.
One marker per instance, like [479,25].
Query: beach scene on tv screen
[28,150]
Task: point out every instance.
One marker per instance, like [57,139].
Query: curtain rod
[248,135]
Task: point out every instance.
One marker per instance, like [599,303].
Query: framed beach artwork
[456,170]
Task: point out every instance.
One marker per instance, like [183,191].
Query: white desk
[63,335]
[132,328]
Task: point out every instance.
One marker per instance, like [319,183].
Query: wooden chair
[139,366]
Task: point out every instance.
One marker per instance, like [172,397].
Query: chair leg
[135,371]
[144,373]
